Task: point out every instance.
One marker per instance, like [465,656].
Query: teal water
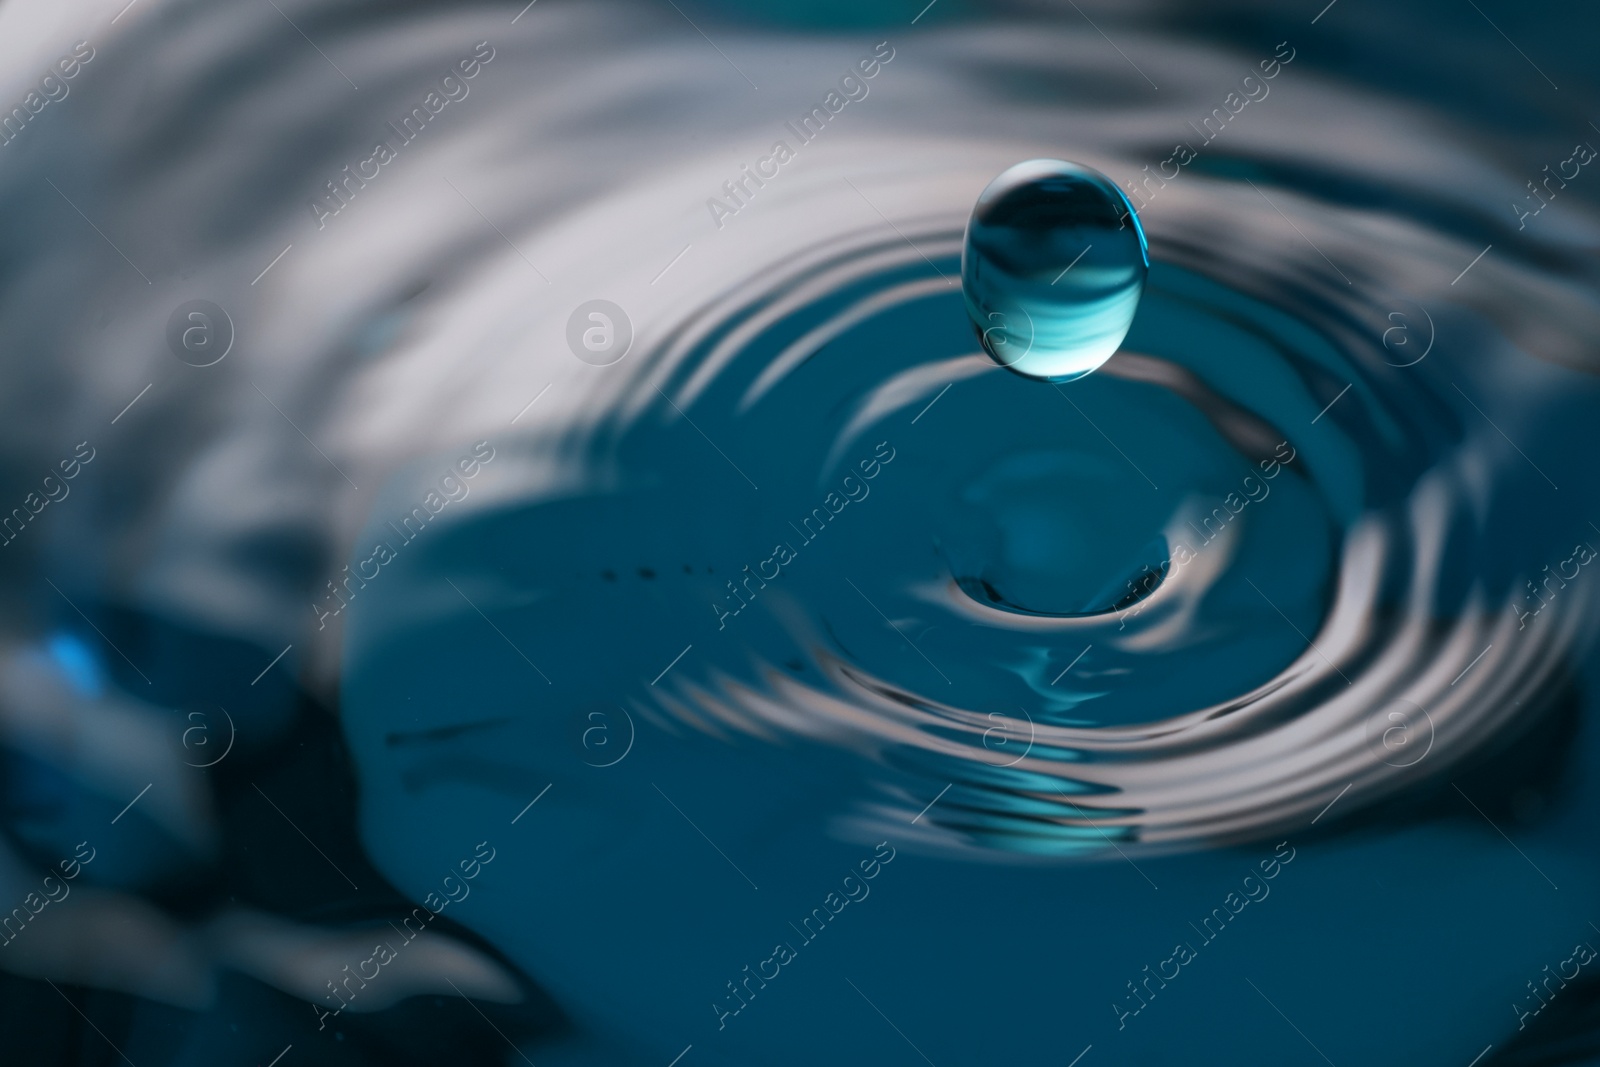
[808,649]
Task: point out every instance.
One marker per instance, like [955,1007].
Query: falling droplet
[1052,269]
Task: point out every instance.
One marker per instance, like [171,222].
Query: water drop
[1052,269]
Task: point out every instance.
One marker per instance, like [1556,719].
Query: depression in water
[1052,269]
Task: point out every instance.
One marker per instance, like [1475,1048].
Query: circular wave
[1284,590]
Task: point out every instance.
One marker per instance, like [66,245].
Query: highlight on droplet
[1052,269]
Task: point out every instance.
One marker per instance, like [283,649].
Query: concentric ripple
[1286,532]
[1139,606]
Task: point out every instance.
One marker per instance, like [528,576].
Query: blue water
[1052,268]
[818,670]
[1071,619]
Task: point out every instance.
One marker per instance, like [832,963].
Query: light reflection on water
[802,571]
